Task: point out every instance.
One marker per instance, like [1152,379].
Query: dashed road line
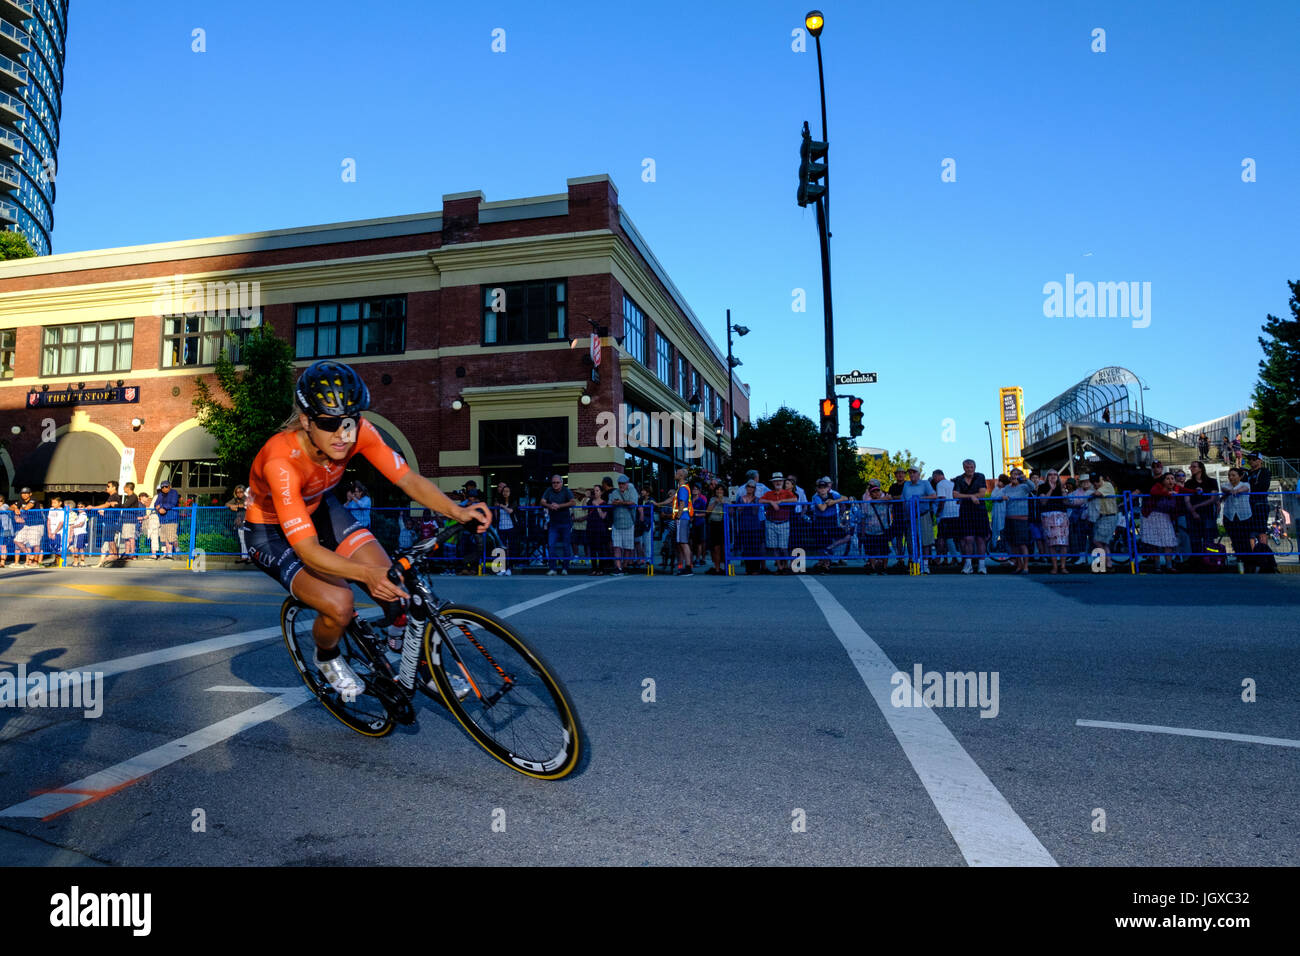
[1189,732]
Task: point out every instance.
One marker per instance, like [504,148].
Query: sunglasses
[332,423]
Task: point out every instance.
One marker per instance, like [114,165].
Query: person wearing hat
[27,541]
[827,507]
[874,517]
[777,529]
[918,488]
[622,502]
[167,504]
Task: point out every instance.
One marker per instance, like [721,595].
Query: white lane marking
[109,781]
[1188,732]
[987,831]
[250,689]
[166,655]
[527,605]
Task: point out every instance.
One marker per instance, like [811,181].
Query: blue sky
[1115,166]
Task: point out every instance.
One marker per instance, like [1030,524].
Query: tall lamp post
[819,194]
[992,460]
[732,363]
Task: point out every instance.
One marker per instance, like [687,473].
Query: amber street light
[814,21]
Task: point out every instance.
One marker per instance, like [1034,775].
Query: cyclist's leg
[331,599]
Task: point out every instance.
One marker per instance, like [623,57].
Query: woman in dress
[1158,521]
[1054,515]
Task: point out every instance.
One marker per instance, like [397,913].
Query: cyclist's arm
[421,489]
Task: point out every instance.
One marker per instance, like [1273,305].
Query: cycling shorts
[336,529]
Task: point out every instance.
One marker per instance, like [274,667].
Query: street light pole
[731,415]
[815,22]
[992,460]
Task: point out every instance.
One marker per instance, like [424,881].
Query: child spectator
[80,526]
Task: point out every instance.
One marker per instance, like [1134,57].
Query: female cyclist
[301,534]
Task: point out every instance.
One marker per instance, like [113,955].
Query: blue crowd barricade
[1258,527]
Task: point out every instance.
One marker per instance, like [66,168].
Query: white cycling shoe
[341,677]
[458,684]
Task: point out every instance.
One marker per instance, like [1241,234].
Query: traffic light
[811,169]
[829,426]
[855,417]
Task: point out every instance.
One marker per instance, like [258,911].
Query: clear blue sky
[1115,166]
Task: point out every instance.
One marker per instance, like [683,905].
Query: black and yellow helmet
[332,388]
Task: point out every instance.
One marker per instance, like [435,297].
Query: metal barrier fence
[878,533]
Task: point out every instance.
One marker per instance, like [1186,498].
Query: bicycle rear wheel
[517,710]
[366,714]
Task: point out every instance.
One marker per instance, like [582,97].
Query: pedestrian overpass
[1104,415]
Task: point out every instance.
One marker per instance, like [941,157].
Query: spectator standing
[238,504]
[149,524]
[54,527]
[827,509]
[873,526]
[507,524]
[130,520]
[1236,450]
[1018,496]
[358,504]
[167,505]
[1104,512]
[682,503]
[598,530]
[644,528]
[777,526]
[1053,514]
[716,520]
[1203,445]
[749,527]
[999,512]
[109,518]
[78,528]
[900,526]
[969,489]
[558,501]
[1079,495]
[1259,480]
[1158,511]
[916,488]
[6,533]
[1203,509]
[946,511]
[623,510]
[1236,517]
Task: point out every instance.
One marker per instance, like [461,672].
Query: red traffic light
[855,404]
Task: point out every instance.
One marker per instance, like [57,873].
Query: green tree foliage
[883,467]
[787,441]
[14,245]
[261,398]
[1277,393]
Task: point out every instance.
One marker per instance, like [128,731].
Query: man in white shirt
[949,531]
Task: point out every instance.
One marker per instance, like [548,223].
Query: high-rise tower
[33,36]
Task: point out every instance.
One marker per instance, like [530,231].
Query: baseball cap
[915,469]
[1157,462]
[1253,454]
[823,480]
[873,483]
[164,484]
[25,491]
[623,479]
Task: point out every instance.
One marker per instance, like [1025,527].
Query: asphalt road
[773,736]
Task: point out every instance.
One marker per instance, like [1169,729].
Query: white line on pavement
[106,782]
[527,605]
[987,831]
[166,655]
[1188,732]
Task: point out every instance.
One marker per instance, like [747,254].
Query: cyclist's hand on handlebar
[476,512]
[381,586]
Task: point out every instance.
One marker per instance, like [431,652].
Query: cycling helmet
[331,388]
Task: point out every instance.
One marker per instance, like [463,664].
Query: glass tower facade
[33,37]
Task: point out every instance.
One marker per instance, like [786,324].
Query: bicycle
[516,709]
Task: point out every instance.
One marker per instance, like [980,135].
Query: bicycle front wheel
[516,709]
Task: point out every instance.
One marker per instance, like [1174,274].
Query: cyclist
[304,537]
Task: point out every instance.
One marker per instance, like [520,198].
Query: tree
[14,245]
[1277,393]
[261,398]
[787,441]
[882,467]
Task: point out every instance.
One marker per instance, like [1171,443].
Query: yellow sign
[1012,401]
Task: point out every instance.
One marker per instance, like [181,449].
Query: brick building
[471,325]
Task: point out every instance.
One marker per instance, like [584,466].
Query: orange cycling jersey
[287,487]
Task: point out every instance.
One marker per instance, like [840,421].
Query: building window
[523,313]
[695,388]
[87,349]
[663,359]
[633,330]
[198,339]
[353,327]
[8,338]
[681,376]
[706,405]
